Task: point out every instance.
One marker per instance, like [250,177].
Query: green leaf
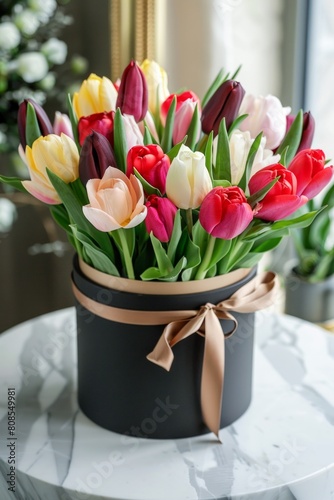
[208,154]
[120,146]
[32,128]
[249,162]
[299,222]
[222,169]
[250,260]
[200,237]
[167,135]
[193,256]
[164,263]
[74,209]
[60,216]
[329,198]
[221,183]
[148,188]
[74,121]
[175,237]
[283,159]
[220,78]
[151,273]
[267,245]
[15,182]
[174,273]
[259,195]
[321,271]
[240,251]
[292,138]
[194,129]
[98,259]
[236,124]
[148,138]
[175,150]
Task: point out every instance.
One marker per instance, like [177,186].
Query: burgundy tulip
[95,157]
[311,172]
[132,96]
[160,217]
[224,103]
[42,120]
[282,199]
[225,213]
[103,123]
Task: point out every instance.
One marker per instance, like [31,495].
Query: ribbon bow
[255,295]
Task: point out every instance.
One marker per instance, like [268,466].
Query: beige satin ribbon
[253,296]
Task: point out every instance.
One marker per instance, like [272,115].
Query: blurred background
[285,48]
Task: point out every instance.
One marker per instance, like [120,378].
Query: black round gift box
[120,390]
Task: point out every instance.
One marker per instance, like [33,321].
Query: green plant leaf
[163,261]
[32,128]
[222,169]
[15,182]
[259,195]
[175,272]
[148,188]
[299,222]
[194,129]
[267,245]
[235,124]
[220,78]
[249,162]
[167,135]
[292,138]
[208,153]
[151,273]
[193,256]
[175,150]
[98,259]
[120,146]
[328,199]
[148,137]
[74,121]
[175,237]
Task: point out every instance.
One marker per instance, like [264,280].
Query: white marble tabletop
[281,448]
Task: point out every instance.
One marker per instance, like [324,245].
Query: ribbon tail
[213,373]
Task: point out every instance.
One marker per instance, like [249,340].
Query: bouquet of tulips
[157,186]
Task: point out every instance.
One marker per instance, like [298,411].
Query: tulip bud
[224,103]
[98,122]
[311,172]
[156,78]
[44,124]
[62,125]
[152,164]
[308,130]
[160,217]
[133,93]
[95,157]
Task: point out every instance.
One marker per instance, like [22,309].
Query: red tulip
[225,213]
[312,175]
[43,121]
[152,164]
[95,157]
[98,122]
[282,199]
[160,217]
[132,96]
[224,103]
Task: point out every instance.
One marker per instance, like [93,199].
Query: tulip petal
[279,207]
[319,181]
[236,218]
[100,219]
[48,196]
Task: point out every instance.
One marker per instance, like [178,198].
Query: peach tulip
[115,201]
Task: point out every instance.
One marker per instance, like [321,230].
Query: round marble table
[281,448]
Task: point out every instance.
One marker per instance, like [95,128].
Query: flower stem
[189,217]
[205,264]
[126,254]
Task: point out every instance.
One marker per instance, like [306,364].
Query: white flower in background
[48,82]
[27,22]
[240,144]
[264,114]
[54,50]
[43,8]
[9,36]
[8,214]
[32,66]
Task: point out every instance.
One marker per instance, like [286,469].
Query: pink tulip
[115,201]
[182,98]
[225,213]
[62,125]
[183,117]
[152,164]
[282,199]
[160,217]
[312,175]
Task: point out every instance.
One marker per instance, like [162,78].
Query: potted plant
[169,202]
[310,279]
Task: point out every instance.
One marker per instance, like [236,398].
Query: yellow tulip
[96,95]
[157,81]
[58,154]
